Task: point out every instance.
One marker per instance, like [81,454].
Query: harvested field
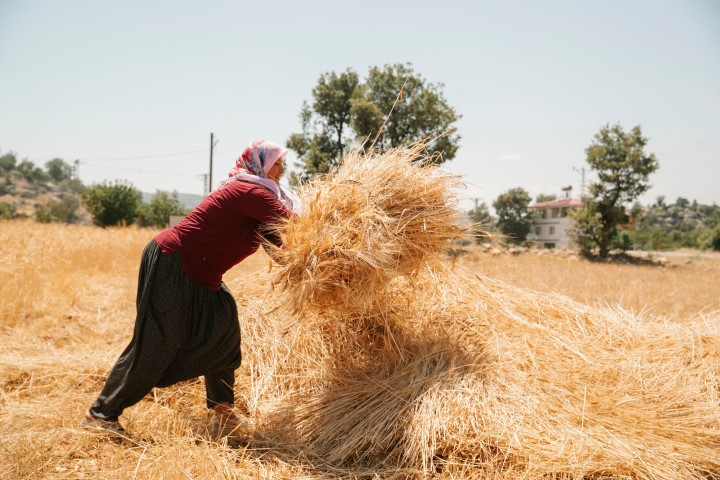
[453,373]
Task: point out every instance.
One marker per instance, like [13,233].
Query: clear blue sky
[129,88]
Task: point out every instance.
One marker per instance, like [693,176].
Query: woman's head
[260,157]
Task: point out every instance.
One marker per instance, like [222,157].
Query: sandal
[112,426]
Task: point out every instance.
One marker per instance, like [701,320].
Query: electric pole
[209,179]
[582,181]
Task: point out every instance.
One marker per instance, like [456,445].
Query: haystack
[402,367]
[378,217]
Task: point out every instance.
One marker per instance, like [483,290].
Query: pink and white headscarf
[254,163]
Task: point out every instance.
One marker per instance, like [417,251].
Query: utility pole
[204,178]
[76,170]
[582,181]
[209,180]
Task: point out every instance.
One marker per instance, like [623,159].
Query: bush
[622,241]
[32,172]
[710,240]
[8,162]
[157,212]
[63,210]
[7,211]
[112,204]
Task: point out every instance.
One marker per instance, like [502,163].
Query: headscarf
[253,164]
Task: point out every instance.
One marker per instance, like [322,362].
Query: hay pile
[411,369]
[378,217]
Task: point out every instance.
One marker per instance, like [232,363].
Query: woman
[187,323]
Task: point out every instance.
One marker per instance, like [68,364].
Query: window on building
[538,230]
[552,231]
[549,245]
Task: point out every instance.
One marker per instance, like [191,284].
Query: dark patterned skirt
[182,331]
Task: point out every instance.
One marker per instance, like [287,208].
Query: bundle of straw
[412,369]
[380,216]
[477,379]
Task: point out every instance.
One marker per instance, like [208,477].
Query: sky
[133,89]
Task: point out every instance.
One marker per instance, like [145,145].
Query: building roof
[563,202]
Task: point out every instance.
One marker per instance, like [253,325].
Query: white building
[551,223]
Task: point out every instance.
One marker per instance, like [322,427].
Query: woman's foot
[107,425]
[225,422]
[225,413]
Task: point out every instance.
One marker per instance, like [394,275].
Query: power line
[140,170]
[142,157]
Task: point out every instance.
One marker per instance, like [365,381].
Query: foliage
[623,169]
[63,210]
[482,221]
[7,211]
[112,204]
[714,239]
[31,172]
[325,126]
[59,170]
[545,197]
[421,111]
[158,210]
[347,113]
[8,162]
[514,217]
[6,186]
[666,226]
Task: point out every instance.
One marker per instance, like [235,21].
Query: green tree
[31,172]
[482,221]
[326,132]
[545,197]
[414,109]
[158,210]
[112,204]
[514,217]
[714,239]
[63,210]
[8,162]
[623,169]
[347,113]
[7,211]
[59,170]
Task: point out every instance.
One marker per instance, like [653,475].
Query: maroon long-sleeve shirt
[222,231]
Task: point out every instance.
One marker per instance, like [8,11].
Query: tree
[623,169]
[31,172]
[714,240]
[112,204]
[63,210]
[347,113]
[514,217]
[7,211]
[326,125]
[414,108]
[163,204]
[545,197]
[59,170]
[8,162]
[482,221]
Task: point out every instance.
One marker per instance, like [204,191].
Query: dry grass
[379,217]
[451,375]
[680,290]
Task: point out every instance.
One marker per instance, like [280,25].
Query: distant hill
[26,196]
